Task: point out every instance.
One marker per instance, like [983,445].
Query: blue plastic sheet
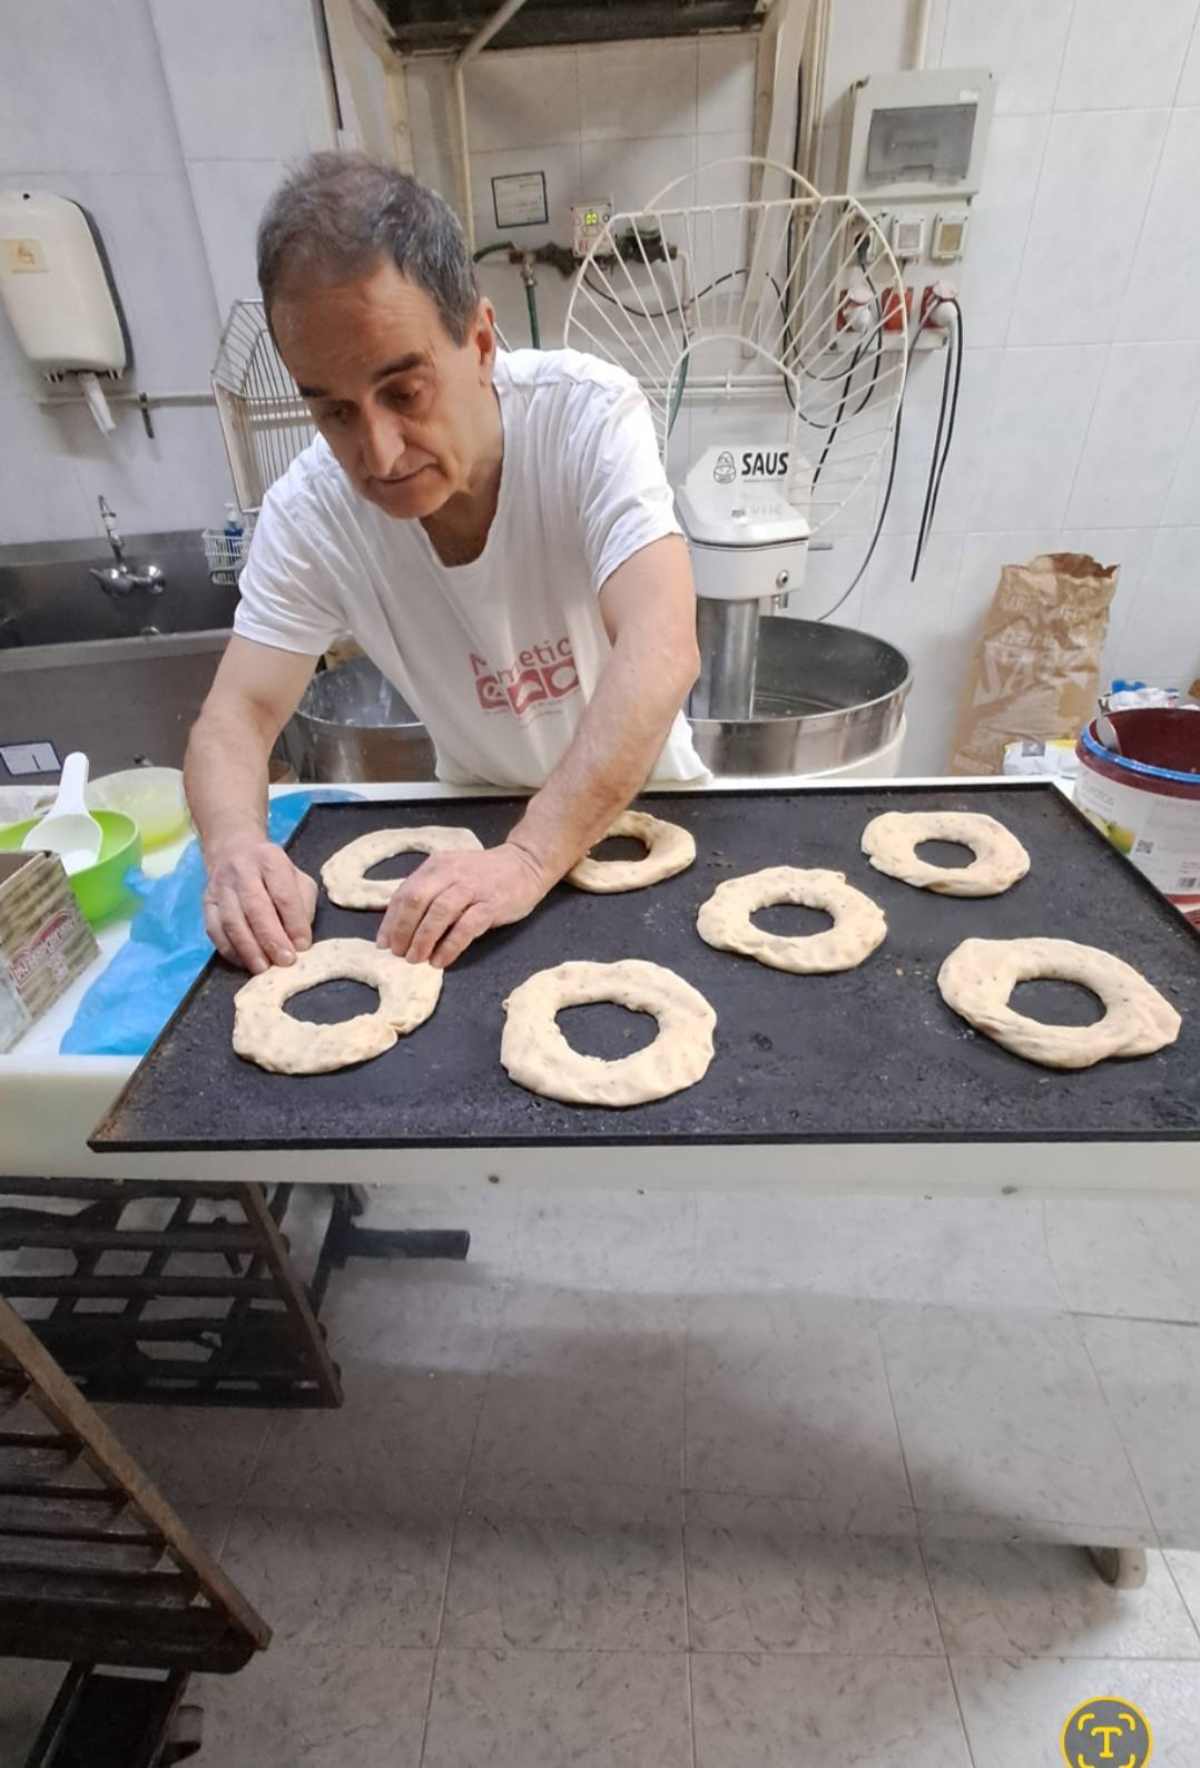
[130,1002]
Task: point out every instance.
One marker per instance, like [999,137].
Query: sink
[119,677]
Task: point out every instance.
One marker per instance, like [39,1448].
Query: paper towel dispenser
[59,293]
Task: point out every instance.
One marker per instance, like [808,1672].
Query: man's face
[399,403]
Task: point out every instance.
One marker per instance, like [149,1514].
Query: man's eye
[336,414]
[404,397]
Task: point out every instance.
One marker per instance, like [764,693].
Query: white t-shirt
[498,657]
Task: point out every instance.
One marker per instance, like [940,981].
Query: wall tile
[178,480]
[1160,296]
[523,98]
[40,494]
[561,167]
[1096,178]
[726,83]
[427,82]
[1189,81]
[1183,499]
[242,90]
[1160,641]
[1000,217]
[83,89]
[625,86]
[984,557]
[631,172]
[1025,466]
[920,618]
[982,371]
[865,36]
[1022,41]
[230,196]
[1113,61]
[1139,428]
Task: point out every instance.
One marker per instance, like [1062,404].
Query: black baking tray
[866,1055]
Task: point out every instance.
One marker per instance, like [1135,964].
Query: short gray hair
[337,214]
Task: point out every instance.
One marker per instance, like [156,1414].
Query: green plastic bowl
[100,890]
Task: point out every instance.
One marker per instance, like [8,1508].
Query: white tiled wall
[1078,422]
[84,112]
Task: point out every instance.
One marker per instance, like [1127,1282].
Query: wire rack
[264,418]
[226,553]
[795,299]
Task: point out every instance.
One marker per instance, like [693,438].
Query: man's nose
[382,444]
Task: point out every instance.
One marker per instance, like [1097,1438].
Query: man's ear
[482,339]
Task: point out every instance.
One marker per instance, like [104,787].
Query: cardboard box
[45,943]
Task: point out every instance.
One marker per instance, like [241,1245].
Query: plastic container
[152,796]
[100,890]
[1147,798]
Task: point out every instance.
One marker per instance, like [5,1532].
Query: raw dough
[891,841]
[669,849]
[980,974]
[858,923]
[264,1033]
[538,1056]
[343,872]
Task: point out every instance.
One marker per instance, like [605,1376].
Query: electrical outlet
[588,223]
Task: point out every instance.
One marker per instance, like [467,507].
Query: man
[494,530]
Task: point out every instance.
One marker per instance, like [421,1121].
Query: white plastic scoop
[68,827]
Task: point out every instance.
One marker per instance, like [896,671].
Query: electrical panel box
[588,222]
[919,134]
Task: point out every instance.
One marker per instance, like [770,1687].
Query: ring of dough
[669,849]
[538,1056]
[890,842]
[344,872]
[264,1033]
[858,923]
[980,974]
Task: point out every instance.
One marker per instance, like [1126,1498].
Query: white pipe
[480,40]
[921,32]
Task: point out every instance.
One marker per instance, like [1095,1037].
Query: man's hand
[454,897]
[258,906]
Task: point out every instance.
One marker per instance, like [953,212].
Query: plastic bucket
[1147,798]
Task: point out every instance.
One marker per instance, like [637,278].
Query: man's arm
[258,907]
[649,609]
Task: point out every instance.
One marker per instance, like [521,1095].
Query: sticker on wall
[29,758]
[519,199]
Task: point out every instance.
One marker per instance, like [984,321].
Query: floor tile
[995,1600]
[587,1387]
[416,1317]
[1002,1414]
[27,1691]
[788,1396]
[1151,1377]
[567,1567]
[195,1455]
[1015,1711]
[641,1239]
[867,1712]
[322,1578]
[399,1431]
[969,1252]
[1185,1568]
[759,1581]
[561,1709]
[1127,1257]
[319,1707]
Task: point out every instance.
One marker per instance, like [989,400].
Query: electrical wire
[663,312]
[887,498]
[947,413]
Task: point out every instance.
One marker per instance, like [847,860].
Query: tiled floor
[662,1481]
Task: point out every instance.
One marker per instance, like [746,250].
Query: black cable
[887,498]
[832,436]
[958,361]
[947,411]
[664,312]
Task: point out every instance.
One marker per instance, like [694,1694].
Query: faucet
[118,579]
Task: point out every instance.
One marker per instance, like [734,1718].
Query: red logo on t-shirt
[543,672]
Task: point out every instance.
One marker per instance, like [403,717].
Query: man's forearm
[618,741]
[225,776]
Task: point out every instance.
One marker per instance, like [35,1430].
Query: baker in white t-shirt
[494,529]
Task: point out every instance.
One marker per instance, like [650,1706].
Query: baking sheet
[867,1055]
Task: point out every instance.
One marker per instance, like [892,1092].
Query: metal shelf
[448,25]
